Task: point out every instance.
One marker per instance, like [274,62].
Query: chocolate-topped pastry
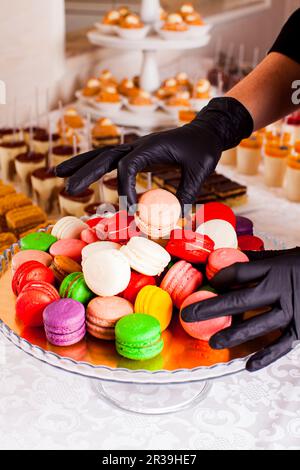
[8,153]
[8,134]
[33,130]
[110,190]
[25,164]
[100,209]
[74,205]
[105,133]
[46,186]
[40,141]
[61,153]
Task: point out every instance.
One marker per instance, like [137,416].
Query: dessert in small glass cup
[202,93]
[92,88]
[174,27]
[292,178]
[109,22]
[180,101]
[293,126]
[41,141]
[61,153]
[275,164]
[45,187]
[131,27]
[74,205]
[26,163]
[8,152]
[229,157]
[105,133]
[109,99]
[142,103]
[8,134]
[249,155]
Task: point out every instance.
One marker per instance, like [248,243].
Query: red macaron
[190,246]
[94,221]
[31,271]
[32,301]
[137,282]
[222,258]
[212,211]
[250,243]
[119,228]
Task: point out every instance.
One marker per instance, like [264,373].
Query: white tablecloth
[45,408]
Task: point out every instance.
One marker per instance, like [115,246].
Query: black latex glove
[277,285]
[196,148]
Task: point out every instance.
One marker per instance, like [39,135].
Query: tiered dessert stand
[149,75]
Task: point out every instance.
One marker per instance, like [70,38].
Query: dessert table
[44,408]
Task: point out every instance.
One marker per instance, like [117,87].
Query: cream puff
[202,89]
[106,78]
[128,88]
[175,23]
[92,87]
[109,99]
[131,21]
[186,9]
[112,18]
[71,119]
[105,133]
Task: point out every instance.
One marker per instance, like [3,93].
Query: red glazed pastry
[31,271]
[214,210]
[181,281]
[119,228]
[222,258]
[190,246]
[137,282]
[32,301]
[250,243]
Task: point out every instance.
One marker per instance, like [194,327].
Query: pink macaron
[68,247]
[181,281]
[222,258]
[30,255]
[89,236]
[103,313]
[158,213]
[203,330]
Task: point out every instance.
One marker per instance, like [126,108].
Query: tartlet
[92,87]
[128,88]
[143,102]
[104,133]
[131,27]
[174,23]
[72,119]
[109,99]
[112,18]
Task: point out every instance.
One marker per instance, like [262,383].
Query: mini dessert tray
[176,379]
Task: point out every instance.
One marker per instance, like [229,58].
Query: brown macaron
[62,266]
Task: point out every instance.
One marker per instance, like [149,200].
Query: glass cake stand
[178,378]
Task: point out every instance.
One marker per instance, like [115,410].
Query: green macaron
[138,337]
[74,287]
[41,241]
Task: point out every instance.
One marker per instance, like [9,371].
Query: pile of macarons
[125,278]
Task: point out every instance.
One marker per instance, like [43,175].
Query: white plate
[173,110]
[133,34]
[110,108]
[199,31]
[106,28]
[85,99]
[173,35]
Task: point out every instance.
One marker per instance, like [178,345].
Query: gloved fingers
[232,303]
[269,254]
[271,353]
[249,329]
[94,169]
[71,166]
[240,273]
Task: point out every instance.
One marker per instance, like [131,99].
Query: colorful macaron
[158,213]
[154,301]
[64,322]
[119,228]
[181,281]
[203,330]
[146,256]
[212,211]
[62,266]
[89,235]
[32,301]
[30,255]
[40,241]
[244,226]
[137,282]
[222,258]
[250,243]
[107,273]
[189,246]
[74,287]
[68,228]
[71,248]
[103,313]
[138,337]
[220,232]
[28,272]
[93,248]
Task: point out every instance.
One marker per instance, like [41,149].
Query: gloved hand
[277,285]
[196,147]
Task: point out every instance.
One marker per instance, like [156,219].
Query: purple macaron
[64,322]
[244,226]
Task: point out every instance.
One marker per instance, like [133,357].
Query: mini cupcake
[176,103]
[105,133]
[132,27]
[142,103]
[109,99]
[174,27]
[92,88]
[128,88]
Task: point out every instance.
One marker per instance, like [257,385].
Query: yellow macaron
[154,301]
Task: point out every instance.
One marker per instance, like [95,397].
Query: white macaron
[68,227]
[221,232]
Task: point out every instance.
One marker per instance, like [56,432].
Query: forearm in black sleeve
[288,42]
